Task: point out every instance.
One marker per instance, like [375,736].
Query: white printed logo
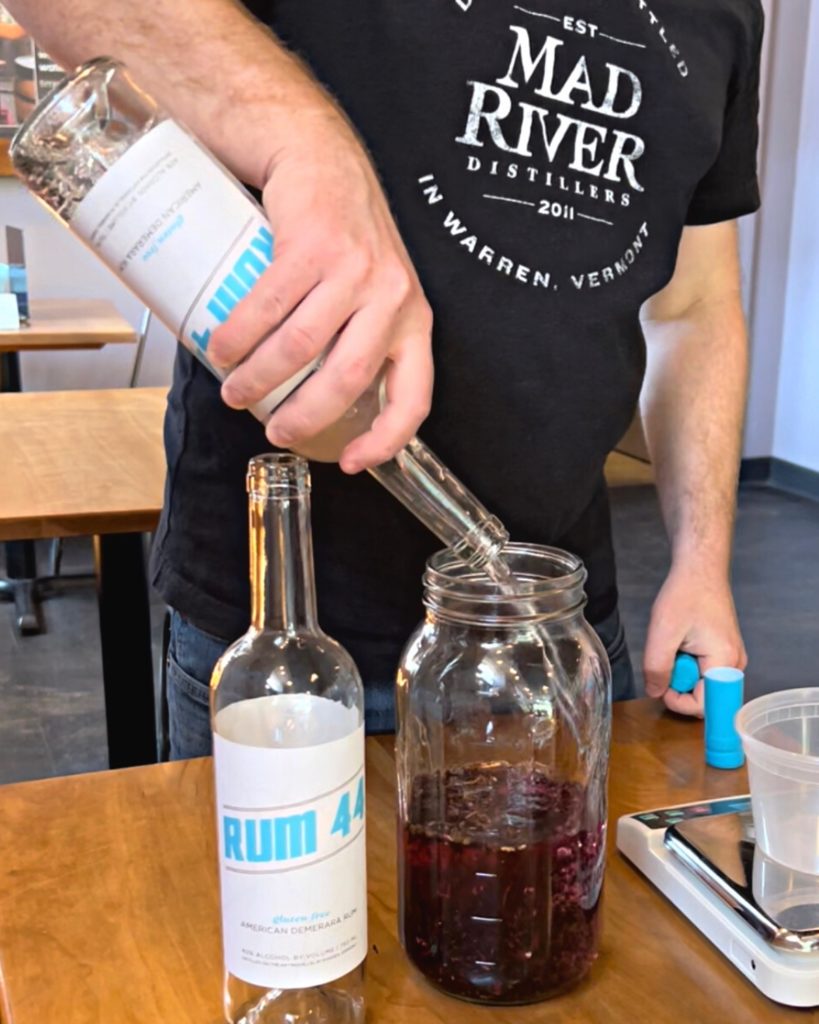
[554,134]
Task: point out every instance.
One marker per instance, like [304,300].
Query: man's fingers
[349,369]
[273,298]
[658,661]
[691,704]
[303,337]
[728,657]
[409,394]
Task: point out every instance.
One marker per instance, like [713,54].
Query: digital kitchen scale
[762,917]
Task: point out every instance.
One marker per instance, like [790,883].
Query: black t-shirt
[541,159]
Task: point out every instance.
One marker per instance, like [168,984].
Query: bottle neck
[283,592]
[432,493]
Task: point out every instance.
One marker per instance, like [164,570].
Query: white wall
[783,404]
[786,31]
[60,267]
[748,226]
[796,434]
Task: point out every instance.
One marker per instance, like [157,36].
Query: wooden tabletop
[109,911]
[81,462]
[68,323]
[625,471]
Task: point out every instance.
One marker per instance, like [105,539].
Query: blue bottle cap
[723,698]
[686,673]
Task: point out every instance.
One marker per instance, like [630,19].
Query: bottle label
[183,235]
[292,859]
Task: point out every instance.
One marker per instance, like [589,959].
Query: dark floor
[775,580]
[52,716]
[51,710]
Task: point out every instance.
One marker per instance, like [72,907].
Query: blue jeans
[193,653]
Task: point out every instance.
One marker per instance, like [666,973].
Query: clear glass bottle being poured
[141,192]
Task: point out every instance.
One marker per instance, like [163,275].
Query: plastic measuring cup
[780,735]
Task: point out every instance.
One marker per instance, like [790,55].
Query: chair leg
[55,556]
[21,586]
[164,720]
[140,347]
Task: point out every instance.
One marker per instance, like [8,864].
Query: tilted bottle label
[292,858]
[183,235]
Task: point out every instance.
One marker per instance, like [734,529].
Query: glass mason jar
[502,796]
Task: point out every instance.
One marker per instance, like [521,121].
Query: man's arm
[340,264]
[692,407]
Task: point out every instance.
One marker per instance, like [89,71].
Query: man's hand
[340,270]
[695,615]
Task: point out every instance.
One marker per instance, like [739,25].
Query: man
[559,171]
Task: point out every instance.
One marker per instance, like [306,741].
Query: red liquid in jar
[501,885]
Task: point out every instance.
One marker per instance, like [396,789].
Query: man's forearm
[179,50]
[692,407]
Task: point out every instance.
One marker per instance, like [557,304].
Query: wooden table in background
[109,907]
[81,462]
[68,323]
[625,471]
[55,324]
[78,463]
